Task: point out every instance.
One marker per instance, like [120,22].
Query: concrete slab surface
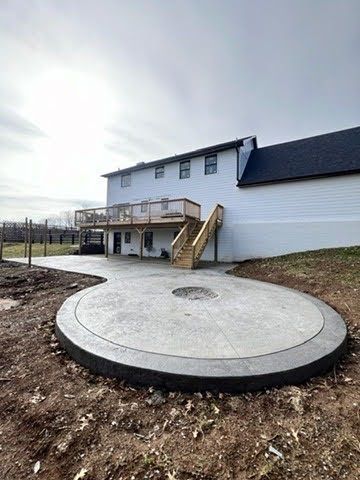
[233,334]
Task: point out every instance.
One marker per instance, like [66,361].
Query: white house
[235,201]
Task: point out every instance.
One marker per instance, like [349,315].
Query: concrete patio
[146,325]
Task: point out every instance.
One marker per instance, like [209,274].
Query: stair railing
[179,242]
[199,244]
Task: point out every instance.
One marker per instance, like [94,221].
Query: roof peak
[311,137]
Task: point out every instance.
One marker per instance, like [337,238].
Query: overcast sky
[87,86]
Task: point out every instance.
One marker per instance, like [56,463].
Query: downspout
[237,162]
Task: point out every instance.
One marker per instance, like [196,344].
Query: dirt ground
[58,421]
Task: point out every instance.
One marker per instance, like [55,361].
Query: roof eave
[241,184]
[182,156]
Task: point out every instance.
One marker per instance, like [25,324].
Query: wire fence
[29,233]
[16,232]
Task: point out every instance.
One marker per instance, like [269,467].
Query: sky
[89,86]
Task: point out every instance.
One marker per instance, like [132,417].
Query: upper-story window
[144,207]
[126,180]
[184,169]
[160,172]
[210,164]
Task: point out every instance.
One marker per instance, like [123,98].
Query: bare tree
[64,219]
[67,218]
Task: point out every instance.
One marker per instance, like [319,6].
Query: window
[144,207]
[127,237]
[184,170]
[126,180]
[160,172]
[210,164]
[164,204]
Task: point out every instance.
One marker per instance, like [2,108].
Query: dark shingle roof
[326,155]
[220,147]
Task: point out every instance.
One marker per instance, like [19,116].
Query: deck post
[107,243]
[2,241]
[141,243]
[141,238]
[216,244]
[25,237]
[45,237]
[30,242]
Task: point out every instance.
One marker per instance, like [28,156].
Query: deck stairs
[191,241]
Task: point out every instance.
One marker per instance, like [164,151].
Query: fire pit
[194,293]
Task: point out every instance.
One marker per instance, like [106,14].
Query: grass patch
[334,264]
[16,250]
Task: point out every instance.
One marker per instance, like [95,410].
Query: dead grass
[16,250]
[57,413]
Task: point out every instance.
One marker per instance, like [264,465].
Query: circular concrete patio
[220,332]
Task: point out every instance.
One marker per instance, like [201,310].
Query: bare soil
[58,421]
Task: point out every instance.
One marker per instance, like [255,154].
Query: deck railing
[161,211]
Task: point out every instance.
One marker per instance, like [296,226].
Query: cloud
[17,124]
[14,207]
[127,141]
[16,132]
[180,76]
[8,144]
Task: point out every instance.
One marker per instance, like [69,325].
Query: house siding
[298,216]
[258,221]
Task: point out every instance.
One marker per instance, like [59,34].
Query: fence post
[61,239]
[72,239]
[30,242]
[45,237]
[25,237]
[80,240]
[2,241]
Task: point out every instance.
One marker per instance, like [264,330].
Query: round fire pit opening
[194,293]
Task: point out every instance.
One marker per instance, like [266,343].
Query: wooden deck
[160,213]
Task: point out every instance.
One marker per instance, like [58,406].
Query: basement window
[210,164]
[126,180]
[160,172]
[127,237]
[184,169]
